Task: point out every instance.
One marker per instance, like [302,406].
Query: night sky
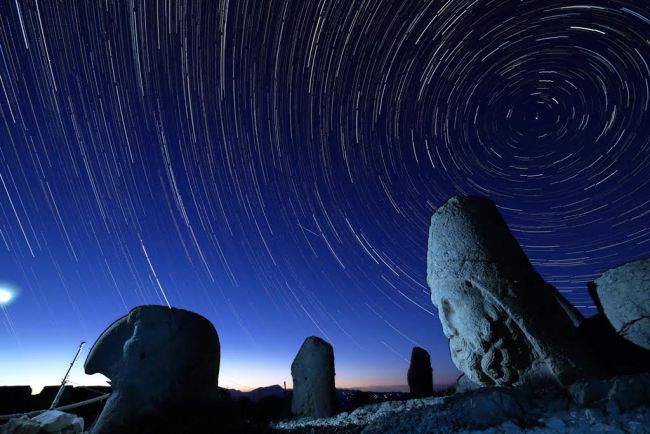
[273,166]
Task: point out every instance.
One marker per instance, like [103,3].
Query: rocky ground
[617,405]
[613,405]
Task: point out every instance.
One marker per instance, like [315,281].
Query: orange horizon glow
[241,373]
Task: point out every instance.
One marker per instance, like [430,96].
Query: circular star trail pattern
[273,165]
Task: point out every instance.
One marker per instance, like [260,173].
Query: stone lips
[314,393]
[505,325]
[624,295]
[156,358]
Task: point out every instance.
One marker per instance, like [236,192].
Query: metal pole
[65,378]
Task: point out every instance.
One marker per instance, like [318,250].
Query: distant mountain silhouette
[346,398]
[259,393]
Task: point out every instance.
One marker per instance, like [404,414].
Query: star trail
[273,165]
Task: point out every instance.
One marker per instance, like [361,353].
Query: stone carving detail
[505,325]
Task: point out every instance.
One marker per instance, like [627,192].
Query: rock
[490,406]
[624,294]
[420,374]
[456,413]
[629,392]
[464,384]
[618,355]
[50,421]
[587,392]
[555,424]
[614,394]
[20,425]
[505,325]
[487,410]
[312,370]
[160,361]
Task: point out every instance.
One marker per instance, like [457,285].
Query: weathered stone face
[420,374]
[156,358]
[624,294]
[314,393]
[505,325]
[484,342]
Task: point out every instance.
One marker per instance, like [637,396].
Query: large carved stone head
[505,325]
[157,359]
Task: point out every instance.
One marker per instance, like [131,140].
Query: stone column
[314,394]
[420,374]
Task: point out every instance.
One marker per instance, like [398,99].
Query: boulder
[20,425]
[464,384]
[624,295]
[506,326]
[613,394]
[314,394]
[160,361]
[420,374]
[619,355]
[53,421]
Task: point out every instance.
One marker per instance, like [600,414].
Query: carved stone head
[157,359]
[505,325]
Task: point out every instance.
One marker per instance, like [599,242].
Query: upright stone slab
[159,361]
[624,295]
[420,374]
[505,325]
[314,394]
